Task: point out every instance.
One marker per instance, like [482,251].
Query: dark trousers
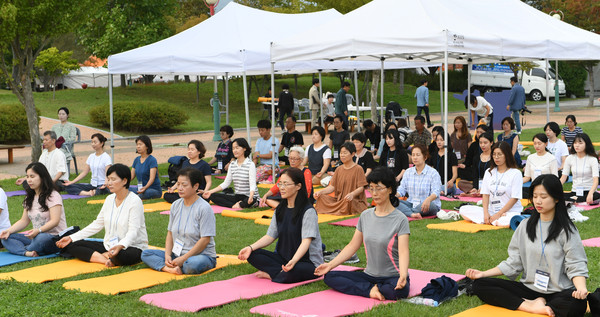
[581,199]
[59,185]
[282,112]
[228,200]
[510,295]
[426,110]
[84,249]
[75,189]
[491,123]
[270,263]
[172,197]
[361,283]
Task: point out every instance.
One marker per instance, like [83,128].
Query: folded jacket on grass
[138,279]
[462,226]
[493,311]
[7,258]
[354,221]
[53,271]
[219,293]
[334,303]
[322,218]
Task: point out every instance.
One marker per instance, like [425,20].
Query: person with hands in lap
[195,153]
[295,156]
[318,155]
[97,163]
[295,227]
[121,217]
[223,155]
[547,252]
[43,207]
[190,244]
[583,165]
[384,231]
[145,168]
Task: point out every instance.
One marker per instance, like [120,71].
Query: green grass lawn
[432,250]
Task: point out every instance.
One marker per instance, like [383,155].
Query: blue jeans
[515,116]
[361,283]
[75,189]
[19,244]
[196,264]
[407,208]
[449,191]
[149,193]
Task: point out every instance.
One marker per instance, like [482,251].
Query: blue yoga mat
[7,258]
[515,221]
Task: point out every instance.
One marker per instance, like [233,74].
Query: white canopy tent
[91,76]
[448,31]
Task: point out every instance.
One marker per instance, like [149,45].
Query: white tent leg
[470,65]
[445,119]
[245,84]
[321,100]
[441,95]
[356,99]
[273,124]
[227,98]
[547,92]
[381,98]
[112,125]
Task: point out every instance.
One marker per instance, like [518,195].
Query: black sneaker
[331,255]
[429,126]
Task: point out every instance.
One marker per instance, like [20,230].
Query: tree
[27,28]
[123,25]
[51,63]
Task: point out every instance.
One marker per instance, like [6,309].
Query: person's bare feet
[237,205]
[261,274]
[375,293]
[536,306]
[109,263]
[173,270]
[31,254]
[416,216]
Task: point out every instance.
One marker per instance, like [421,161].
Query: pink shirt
[39,218]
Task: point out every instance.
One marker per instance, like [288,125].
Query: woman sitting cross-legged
[195,153]
[501,190]
[43,207]
[97,163]
[547,252]
[190,244]
[384,231]
[295,227]
[121,217]
[422,185]
[583,165]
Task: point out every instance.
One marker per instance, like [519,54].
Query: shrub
[14,127]
[135,116]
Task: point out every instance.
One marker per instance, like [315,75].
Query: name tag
[220,165]
[496,205]
[112,242]
[480,184]
[579,191]
[457,155]
[415,204]
[537,173]
[286,151]
[372,147]
[542,279]
[335,154]
[177,247]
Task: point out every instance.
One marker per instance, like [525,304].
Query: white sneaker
[576,216]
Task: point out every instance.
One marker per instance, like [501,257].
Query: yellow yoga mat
[322,218]
[463,226]
[247,215]
[53,271]
[493,311]
[95,201]
[138,279]
[160,206]
[524,202]
[266,186]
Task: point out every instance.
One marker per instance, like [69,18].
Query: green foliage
[457,80]
[51,63]
[574,76]
[14,124]
[140,116]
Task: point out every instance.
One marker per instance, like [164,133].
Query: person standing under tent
[286,104]
[516,101]
[314,100]
[422,96]
[341,104]
[481,109]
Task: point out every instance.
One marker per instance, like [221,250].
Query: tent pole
[112,125]
[273,124]
[381,98]
[445,118]
[198,90]
[547,92]
[245,84]
[441,94]
[356,99]
[321,100]
[227,98]
[469,65]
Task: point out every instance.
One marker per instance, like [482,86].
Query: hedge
[14,127]
[136,116]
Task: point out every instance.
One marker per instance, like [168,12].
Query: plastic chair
[304,108]
[70,148]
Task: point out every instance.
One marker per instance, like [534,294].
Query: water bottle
[423,301]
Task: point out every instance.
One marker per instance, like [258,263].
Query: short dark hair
[510,121]
[514,79]
[241,142]
[385,176]
[572,117]
[320,130]
[199,146]
[65,109]
[285,86]
[227,129]
[423,150]
[146,140]
[389,125]
[292,117]
[51,134]
[263,124]
[360,137]
[100,138]
[122,172]
[553,126]
[330,96]
[423,81]
[315,81]
[348,146]
[345,84]
[540,136]
[420,118]
[368,123]
[195,175]
[402,123]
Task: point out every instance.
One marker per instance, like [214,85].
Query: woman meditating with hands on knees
[195,153]
[546,248]
[97,163]
[295,224]
[145,168]
[384,231]
[43,207]
[583,164]
[121,217]
[318,155]
[190,244]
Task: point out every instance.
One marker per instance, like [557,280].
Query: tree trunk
[401,82]
[590,69]
[187,78]
[123,81]
[374,86]
[296,85]
[26,99]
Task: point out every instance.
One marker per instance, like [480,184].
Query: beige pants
[314,117]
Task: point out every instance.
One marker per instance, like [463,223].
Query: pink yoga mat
[218,293]
[593,242]
[462,198]
[586,207]
[220,177]
[352,222]
[215,208]
[333,303]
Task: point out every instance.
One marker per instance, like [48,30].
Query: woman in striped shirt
[571,130]
[242,172]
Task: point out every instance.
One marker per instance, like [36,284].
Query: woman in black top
[465,169]
[394,156]
[436,160]
[482,162]
[337,137]
[363,157]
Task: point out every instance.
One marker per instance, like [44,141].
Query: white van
[496,77]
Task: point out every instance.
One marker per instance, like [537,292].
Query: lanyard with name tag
[286,151]
[536,173]
[372,147]
[457,153]
[542,277]
[112,242]
[177,247]
[496,205]
[335,154]
[219,165]
[480,183]
[579,191]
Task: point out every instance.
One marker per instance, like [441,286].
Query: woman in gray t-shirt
[386,275]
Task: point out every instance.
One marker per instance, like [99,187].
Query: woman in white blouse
[541,162]
[583,164]
[97,163]
[121,217]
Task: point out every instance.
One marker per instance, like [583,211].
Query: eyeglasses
[377,189]
[497,155]
[280,185]
[294,158]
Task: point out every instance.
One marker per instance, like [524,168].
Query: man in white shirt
[54,160]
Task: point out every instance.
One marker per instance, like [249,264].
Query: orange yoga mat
[493,311]
[247,215]
[160,206]
[139,279]
[463,226]
[53,271]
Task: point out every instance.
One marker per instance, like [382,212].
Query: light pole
[559,15]
[211,4]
